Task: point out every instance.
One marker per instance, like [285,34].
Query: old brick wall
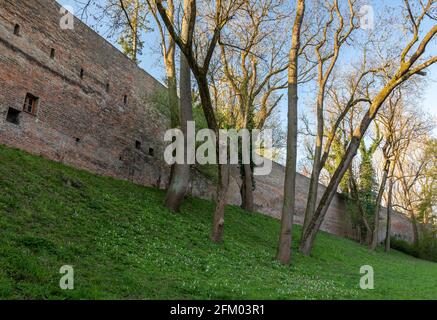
[81,123]
[78,121]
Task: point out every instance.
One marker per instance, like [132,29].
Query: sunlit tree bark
[288,207]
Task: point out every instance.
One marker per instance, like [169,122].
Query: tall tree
[180,178]
[288,208]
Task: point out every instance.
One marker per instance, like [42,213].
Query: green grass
[124,244]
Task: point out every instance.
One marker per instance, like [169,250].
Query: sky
[151,61]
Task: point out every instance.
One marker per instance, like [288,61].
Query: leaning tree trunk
[389,208]
[309,236]
[180,174]
[180,179]
[285,237]
[375,232]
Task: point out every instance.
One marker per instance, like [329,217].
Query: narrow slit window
[151,152]
[137,145]
[52,53]
[125,99]
[81,73]
[13,116]
[30,104]
[17,30]
[107,87]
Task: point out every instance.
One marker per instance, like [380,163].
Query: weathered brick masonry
[94,111]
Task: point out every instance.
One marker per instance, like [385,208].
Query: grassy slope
[123,243]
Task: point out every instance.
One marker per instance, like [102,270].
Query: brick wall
[80,122]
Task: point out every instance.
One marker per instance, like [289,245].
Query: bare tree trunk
[415,230]
[285,238]
[219,213]
[180,178]
[375,232]
[389,208]
[223,169]
[170,72]
[172,92]
[247,188]
[315,174]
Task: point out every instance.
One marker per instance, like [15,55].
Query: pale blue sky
[151,61]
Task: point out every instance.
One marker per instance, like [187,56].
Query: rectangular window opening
[81,73]
[151,152]
[13,116]
[107,87]
[52,53]
[125,99]
[17,30]
[137,145]
[30,104]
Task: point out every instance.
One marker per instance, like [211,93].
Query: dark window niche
[77,140]
[52,53]
[13,116]
[107,87]
[151,152]
[30,104]
[17,30]
[137,145]
[81,73]
[125,99]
